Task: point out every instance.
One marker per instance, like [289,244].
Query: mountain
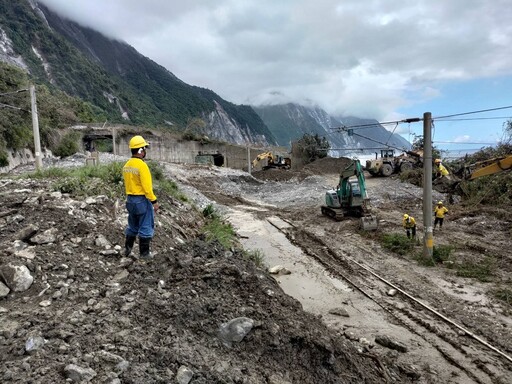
[291,121]
[111,75]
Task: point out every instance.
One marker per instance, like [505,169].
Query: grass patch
[163,184]
[209,212]
[217,229]
[105,179]
[483,270]
[256,256]
[503,294]
[397,243]
[442,253]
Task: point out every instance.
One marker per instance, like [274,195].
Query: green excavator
[350,198]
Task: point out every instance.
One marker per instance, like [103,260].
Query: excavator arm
[261,156]
[491,167]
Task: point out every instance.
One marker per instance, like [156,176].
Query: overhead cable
[473,112]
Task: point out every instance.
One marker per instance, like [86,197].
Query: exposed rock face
[7,53]
[223,127]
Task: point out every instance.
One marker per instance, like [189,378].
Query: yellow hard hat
[137,142]
[406,216]
[439,203]
[437,161]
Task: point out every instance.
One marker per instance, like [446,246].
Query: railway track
[460,346]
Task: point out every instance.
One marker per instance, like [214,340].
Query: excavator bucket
[369,223]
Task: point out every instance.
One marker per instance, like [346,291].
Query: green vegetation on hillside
[55,109]
[109,74]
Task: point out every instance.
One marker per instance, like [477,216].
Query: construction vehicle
[273,161]
[350,198]
[487,167]
[389,164]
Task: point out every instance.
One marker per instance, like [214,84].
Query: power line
[477,118]
[463,143]
[473,112]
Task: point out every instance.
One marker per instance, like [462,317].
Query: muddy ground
[91,315]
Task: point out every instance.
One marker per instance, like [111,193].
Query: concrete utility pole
[249,160]
[428,238]
[35,127]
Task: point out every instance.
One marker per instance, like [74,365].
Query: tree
[313,147]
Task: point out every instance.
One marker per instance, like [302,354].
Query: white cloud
[365,58]
[462,139]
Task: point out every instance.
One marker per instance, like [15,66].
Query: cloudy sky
[382,59]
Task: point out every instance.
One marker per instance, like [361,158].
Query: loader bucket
[369,223]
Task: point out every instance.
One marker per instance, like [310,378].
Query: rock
[101,241]
[45,303]
[184,375]
[16,277]
[78,374]
[385,341]
[276,379]
[27,253]
[339,312]
[8,328]
[121,275]
[235,330]
[4,290]
[34,343]
[27,232]
[392,292]
[279,270]
[47,237]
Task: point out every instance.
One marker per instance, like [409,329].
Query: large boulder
[16,277]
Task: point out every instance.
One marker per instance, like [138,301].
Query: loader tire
[386,170]
[405,167]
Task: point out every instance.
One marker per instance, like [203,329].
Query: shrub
[397,243]
[68,145]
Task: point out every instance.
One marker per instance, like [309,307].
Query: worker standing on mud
[410,226]
[141,202]
[439,211]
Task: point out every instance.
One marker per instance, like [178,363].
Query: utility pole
[35,127]
[114,141]
[249,160]
[428,238]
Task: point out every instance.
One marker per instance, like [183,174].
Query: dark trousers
[438,220]
[411,230]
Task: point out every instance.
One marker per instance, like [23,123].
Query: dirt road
[348,278]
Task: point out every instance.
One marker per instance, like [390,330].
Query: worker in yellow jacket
[439,211]
[441,170]
[141,202]
[410,226]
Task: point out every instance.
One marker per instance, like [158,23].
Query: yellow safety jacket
[409,223]
[442,169]
[440,211]
[137,179]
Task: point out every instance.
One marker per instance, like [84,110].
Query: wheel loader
[350,198]
[388,163]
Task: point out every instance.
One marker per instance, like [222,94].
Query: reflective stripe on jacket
[137,179]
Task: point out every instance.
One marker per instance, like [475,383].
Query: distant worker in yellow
[410,226]
[439,211]
[441,170]
[141,202]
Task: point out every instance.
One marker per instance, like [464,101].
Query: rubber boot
[128,245]
[144,243]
